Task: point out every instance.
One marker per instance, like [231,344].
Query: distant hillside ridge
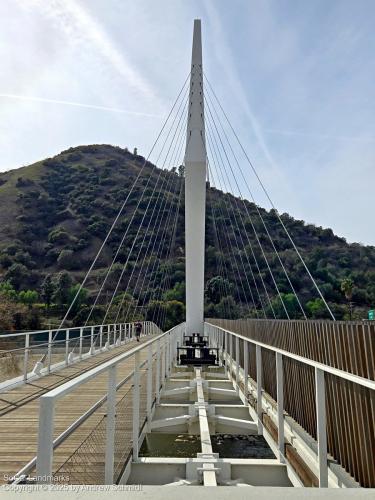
[55,213]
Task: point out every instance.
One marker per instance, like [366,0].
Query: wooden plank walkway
[19,411]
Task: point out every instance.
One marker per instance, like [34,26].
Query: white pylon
[195,191]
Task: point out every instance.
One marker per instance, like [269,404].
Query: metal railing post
[259,389]
[26,357]
[230,339]
[246,371]
[49,351]
[162,374]
[149,386]
[169,354]
[280,405]
[237,365]
[44,458]
[110,426]
[67,347]
[80,342]
[136,405]
[101,337]
[157,388]
[92,340]
[321,430]
[165,360]
[226,347]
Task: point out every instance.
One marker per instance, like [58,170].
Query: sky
[296,79]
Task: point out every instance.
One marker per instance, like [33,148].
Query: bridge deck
[19,410]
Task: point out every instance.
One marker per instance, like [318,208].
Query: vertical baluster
[230,338]
[237,365]
[321,427]
[49,351]
[80,342]
[110,427]
[136,406]
[259,389]
[44,459]
[157,388]
[67,347]
[92,340]
[149,386]
[26,356]
[246,370]
[280,405]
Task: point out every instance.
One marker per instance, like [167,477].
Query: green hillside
[55,213]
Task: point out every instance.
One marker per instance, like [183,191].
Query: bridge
[266,401]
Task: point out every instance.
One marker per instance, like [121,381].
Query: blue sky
[296,78]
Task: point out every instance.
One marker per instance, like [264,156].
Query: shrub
[65,259]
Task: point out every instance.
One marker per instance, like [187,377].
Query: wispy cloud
[77,104]
[234,80]
[81,28]
[315,135]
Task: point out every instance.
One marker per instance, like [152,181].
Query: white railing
[163,347]
[224,340]
[67,345]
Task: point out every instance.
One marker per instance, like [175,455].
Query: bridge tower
[195,191]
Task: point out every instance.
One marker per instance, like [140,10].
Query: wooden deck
[19,410]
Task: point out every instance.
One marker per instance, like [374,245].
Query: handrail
[38,332]
[118,332]
[165,352]
[370,384]
[224,338]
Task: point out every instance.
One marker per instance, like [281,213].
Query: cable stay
[266,194]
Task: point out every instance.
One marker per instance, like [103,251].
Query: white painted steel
[67,347]
[237,364]
[110,426]
[149,385]
[195,192]
[321,429]
[45,440]
[246,371]
[47,401]
[26,357]
[136,381]
[259,389]
[315,460]
[280,405]
[44,367]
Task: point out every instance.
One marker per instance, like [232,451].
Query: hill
[55,213]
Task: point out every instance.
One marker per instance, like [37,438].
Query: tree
[347,287]
[216,288]
[65,259]
[175,314]
[290,303]
[227,308]
[317,309]
[28,297]
[176,293]
[7,290]
[79,301]
[17,274]
[62,286]
[47,290]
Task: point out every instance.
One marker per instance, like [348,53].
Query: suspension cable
[269,199]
